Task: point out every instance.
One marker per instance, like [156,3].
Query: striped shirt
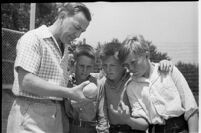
[38,52]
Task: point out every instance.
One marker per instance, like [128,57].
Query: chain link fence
[9,41]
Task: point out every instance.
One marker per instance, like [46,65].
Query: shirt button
[80,109]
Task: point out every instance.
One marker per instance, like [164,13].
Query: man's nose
[77,35]
[108,69]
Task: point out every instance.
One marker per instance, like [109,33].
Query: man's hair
[133,44]
[73,8]
[86,50]
[110,49]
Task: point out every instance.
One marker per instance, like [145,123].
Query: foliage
[190,72]
[45,13]
[16,16]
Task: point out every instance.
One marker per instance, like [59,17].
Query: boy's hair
[73,8]
[86,50]
[110,49]
[133,44]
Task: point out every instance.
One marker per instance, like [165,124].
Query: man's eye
[133,62]
[77,27]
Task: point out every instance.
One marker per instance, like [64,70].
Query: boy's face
[112,68]
[137,64]
[84,66]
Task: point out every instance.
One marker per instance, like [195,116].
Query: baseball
[90,90]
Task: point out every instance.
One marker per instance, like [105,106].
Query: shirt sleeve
[137,110]
[28,53]
[187,98]
[103,123]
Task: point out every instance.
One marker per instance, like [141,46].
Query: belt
[175,124]
[84,124]
[123,128]
[44,101]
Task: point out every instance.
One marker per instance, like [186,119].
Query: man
[85,117]
[119,115]
[41,74]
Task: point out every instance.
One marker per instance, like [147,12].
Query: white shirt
[161,96]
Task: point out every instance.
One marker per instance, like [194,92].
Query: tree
[16,16]
[190,72]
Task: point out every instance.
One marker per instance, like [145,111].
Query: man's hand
[166,66]
[77,92]
[121,112]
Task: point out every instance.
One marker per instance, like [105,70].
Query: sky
[171,26]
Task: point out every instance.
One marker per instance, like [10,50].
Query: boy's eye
[133,62]
[125,65]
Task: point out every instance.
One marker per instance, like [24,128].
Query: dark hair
[73,8]
[110,49]
[133,44]
[84,49]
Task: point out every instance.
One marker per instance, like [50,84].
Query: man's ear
[62,15]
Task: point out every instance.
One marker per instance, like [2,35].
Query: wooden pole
[32,16]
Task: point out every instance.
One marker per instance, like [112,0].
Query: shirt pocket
[166,88]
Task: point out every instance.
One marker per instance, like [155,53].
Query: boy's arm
[123,112]
[102,118]
[193,123]
[188,100]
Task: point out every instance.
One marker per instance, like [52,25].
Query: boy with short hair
[116,76]
[164,100]
[87,117]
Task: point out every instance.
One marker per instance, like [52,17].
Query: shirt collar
[154,74]
[44,32]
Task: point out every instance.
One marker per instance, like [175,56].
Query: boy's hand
[121,112]
[166,66]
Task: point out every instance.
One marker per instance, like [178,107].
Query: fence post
[32,16]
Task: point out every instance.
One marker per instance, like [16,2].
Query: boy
[85,117]
[116,76]
[164,100]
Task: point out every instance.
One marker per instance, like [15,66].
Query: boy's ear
[147,54]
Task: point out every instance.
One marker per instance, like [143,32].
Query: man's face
[84,66]
[137,64]
[112,68]
[72,27]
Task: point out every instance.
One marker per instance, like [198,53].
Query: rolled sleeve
[28,53]
[137,109]
[187,98]
[103,123]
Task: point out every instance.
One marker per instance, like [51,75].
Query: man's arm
[35,85]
